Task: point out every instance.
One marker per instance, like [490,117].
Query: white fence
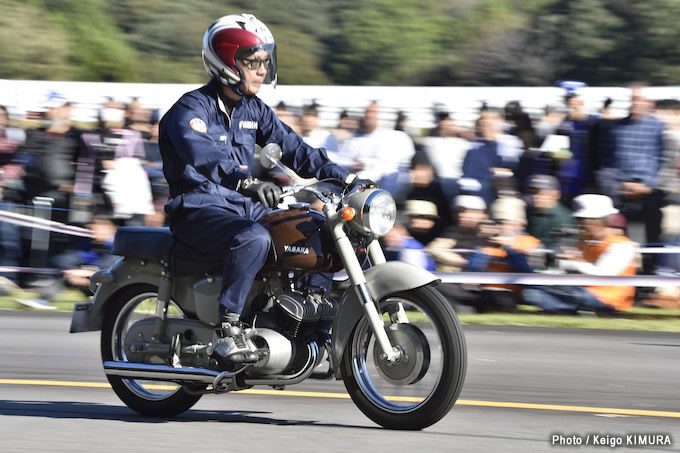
[21,96]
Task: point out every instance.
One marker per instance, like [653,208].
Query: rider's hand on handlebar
[268,193]
[367,183]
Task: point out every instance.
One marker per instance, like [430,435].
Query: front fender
[382,280]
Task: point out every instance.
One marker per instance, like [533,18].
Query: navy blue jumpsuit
[205,154]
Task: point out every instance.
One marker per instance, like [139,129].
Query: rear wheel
[156,399]
[424,384]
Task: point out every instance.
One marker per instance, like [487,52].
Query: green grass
[639,318]
[660,323]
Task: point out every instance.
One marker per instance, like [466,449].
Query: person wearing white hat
[598,253]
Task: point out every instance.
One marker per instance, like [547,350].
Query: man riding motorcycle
[206,141]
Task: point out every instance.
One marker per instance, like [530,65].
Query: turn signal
[348,213]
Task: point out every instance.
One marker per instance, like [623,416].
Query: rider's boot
[231,344]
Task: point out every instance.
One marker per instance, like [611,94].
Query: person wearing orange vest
[599,252]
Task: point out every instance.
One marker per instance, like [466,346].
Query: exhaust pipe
[162,372]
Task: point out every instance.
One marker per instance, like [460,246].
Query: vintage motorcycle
[392,338]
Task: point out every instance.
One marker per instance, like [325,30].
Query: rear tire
[130,391]
[367,392]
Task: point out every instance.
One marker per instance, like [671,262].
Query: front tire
[420,391]
[127,306]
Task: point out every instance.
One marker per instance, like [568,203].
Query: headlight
[375,211]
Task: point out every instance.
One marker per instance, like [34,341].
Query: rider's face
[253,78]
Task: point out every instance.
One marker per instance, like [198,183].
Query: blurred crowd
[567,191]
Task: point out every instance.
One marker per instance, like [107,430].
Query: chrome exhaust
[304,373]
[162,372]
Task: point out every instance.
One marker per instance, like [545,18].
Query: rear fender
[123,274]
[382,280]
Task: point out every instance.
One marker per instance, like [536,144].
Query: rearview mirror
[270,155]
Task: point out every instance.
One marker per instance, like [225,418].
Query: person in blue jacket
[207,142]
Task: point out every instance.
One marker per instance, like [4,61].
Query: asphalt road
[523,386]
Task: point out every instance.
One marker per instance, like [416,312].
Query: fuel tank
[300,241]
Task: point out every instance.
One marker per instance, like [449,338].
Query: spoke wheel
[151,398]
[422,385]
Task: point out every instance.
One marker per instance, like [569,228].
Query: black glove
[367,183]
[268,193]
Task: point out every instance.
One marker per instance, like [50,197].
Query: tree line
[352,42]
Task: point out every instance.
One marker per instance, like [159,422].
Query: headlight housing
[375,211]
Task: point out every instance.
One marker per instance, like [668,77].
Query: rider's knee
[257,237]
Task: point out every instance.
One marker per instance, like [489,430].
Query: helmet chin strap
[235,87]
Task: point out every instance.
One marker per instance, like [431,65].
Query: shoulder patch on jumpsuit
[198,125]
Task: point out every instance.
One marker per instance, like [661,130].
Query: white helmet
[232,38]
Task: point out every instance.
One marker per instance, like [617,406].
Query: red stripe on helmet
[226,43]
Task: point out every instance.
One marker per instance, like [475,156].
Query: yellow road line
[548,407]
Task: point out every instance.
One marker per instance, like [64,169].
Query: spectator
[601,144]
[598,253]
[318,137]
[553,116]
[520,124]
[78,264]
[422,220]
[491,157]
[153,165]
[10,138]
[575,172]
[506,248]
[469,211]
[345,130]
[426,186]
[638,157]
[10,242]
[401,123]
[51,153]
[114,156]
[288,117]
[668,111]
[444,125]
[138,118]
[447,150]
[380,154]
[453,247]
[547,216]
[10,164]
[400,246]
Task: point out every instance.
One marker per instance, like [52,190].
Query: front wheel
[423,385]
[154,399]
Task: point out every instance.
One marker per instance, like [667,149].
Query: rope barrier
[548,279]
[28,270]
[43,224]
[539,279]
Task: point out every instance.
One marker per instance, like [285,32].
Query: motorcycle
[392,338]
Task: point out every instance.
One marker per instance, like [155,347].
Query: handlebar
[299,188]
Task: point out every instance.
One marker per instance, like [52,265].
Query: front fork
[358,280]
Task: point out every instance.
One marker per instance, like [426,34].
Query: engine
[287,325]
[296,315]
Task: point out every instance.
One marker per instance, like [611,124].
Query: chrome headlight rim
[362,202]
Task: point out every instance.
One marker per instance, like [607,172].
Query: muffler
[162,372]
